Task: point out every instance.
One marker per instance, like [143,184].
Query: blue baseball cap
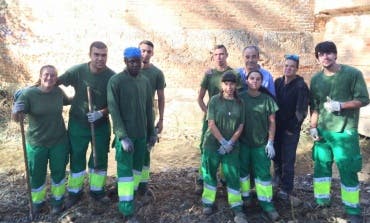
[131,52]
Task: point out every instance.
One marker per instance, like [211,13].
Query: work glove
[221,150]
[229,147]
[93,116]
[331,105]
[314,134]
[152,140]
[127,145]
[17,107]
[269,149]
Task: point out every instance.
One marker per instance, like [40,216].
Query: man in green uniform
[130,104]
[158,84]
[94,74]
[211,83]
[337,93]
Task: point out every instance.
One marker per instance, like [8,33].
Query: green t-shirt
[345,85]
[228,115]
[46,125]
[212,81]
[257,112]
[156,78]
[130,105]
[79,77]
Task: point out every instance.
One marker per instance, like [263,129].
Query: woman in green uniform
[46,138]
[256,142]
[225,117]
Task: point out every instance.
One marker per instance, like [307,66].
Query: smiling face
[254,81]
[251,57]
[48,77]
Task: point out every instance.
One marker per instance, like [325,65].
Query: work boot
[199,187]
[240,217]
[276,180]
[72,200]
[37,209]
[56,209]
[354,218]
[273,215]
[288,198]
[207,210]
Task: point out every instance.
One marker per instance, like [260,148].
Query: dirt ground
[173,173]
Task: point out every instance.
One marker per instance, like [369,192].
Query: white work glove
[314,134]
[221,150]
[17,107]
[93,116]
[269,149]
[331,105]
[127,145]
[229,146]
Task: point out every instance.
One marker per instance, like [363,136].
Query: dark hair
[97,44]
[38,82]
[325,47]
[216,47]
[252,47]
[147,42]
[230,77]
[293,57]
[262,89]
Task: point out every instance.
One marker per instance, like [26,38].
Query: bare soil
[175,160]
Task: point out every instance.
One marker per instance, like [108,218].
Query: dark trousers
[285,148]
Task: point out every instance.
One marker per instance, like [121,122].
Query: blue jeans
[285,148]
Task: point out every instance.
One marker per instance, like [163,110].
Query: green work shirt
[228,115]
[46,125]
[155,77]
[212,81]
[345,85]
[79,77]
[130,105]
[257,112]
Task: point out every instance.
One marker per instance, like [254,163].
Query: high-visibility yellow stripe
[58,189]
[97,179]
[145,174]
[245,186]
[264,190]
[38,194]
[350,196]
[209,194]
[321,187]
[234,197]
[137,178]
[126,188]
[76,181]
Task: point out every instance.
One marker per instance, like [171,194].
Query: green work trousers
[230,165]
[129,167]
[80,137]
[254,161]
[343,148]
[38,158]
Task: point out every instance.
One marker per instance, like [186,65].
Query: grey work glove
[269,149]
[127,144]
[331,105]
[17,107]
[93,116]
[229,146]
[314,134]
[221,150]
[152,140]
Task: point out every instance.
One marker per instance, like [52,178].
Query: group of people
[250,119]
[127,96]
